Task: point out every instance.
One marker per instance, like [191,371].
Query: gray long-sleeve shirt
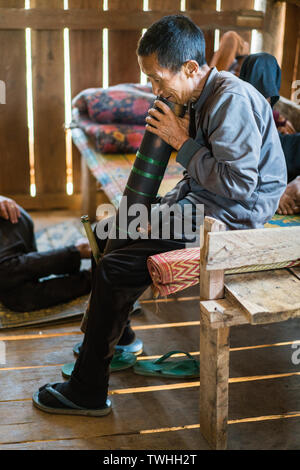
[234,165]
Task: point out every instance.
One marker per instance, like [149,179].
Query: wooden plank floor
[149,412]
[141,405]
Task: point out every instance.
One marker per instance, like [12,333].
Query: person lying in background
[263,72]
[231,53]
[22,267]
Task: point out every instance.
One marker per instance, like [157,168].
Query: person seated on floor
[22,267]
[263,72]
[229,149]
[23,270]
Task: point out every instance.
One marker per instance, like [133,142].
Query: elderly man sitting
[229,149]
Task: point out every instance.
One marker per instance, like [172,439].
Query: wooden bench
[259,297]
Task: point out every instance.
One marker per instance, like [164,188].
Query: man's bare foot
[84,248]
[289,203]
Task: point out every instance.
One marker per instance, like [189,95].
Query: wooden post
[86,72]
[14,149]
[214,375]
[214,354]
[297,67]
[290,50]
[211,282]
[274,29]
[88,191]
[49,106]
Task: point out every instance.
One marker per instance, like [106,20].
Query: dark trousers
[117,282]
[22,269]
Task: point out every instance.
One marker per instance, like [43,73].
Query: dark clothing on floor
[291,149]
[23,269]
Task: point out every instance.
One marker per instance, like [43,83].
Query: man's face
[173,86]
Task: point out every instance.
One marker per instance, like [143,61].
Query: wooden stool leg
[214,374]
[88,191]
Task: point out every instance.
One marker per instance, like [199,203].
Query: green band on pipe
[123,231]
[139,192]
[149,160]
[145,174]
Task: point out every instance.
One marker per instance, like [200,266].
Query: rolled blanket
[174,270]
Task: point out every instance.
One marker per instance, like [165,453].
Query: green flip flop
[186,368]
[69,407]
[136,347]
[120,361]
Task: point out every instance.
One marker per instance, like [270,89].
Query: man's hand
[9,209]
[167,125]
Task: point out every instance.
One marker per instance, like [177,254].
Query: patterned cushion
[114,118]
[113,138]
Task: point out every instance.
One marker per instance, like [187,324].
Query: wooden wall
[14,151]
[85,19]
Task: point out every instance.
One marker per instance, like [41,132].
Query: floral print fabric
[114,118]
